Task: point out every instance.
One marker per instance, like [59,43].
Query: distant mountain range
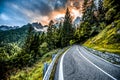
[76,22]
[9,34]
[37,26]
[5,28]
[17,34]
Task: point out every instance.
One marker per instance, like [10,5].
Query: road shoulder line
[101,58]
[96,65]
[61,77]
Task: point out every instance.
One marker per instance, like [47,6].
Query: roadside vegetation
[107,40]
[36,71]
[23,51]
[15,58]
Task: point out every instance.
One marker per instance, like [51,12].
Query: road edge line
[50,67]
[96,65]
[61,77]
[101,58]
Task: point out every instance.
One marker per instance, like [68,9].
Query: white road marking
[96,66]
[101,58]
[61,77]
[50,67]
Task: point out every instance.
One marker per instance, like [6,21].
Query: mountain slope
[107,40]
[15,35]
[34,72]
[5,28]
[18,34]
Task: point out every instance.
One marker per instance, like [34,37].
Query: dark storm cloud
[19,12]
[43,7]
[60,4]
[40,6]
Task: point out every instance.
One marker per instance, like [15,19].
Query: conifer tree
[101,10]
[67,30]
[50,35]
[88,18]
[34,46]
[26,47]
[112,10]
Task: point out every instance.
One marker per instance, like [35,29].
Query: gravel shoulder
[111,57]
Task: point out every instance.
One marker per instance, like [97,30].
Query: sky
[21,12]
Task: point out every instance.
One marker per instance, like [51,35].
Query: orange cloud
[75,7]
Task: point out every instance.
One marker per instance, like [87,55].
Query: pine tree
[100,8]
[50,35]
[84,6]
[112,10]
[89,18]
[67,26]
[32,43]
[67,30]
[89,25]
[51,23]
[88,14]
[34,46]
[29,38]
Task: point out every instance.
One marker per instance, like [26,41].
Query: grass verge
[36,71]
[107,40]
[103,49]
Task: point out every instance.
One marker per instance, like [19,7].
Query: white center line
[96,66]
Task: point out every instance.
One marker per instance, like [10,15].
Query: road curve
[79,64]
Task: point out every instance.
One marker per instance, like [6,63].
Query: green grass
[35,72]
[107,40]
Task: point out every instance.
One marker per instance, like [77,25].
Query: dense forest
[22,47]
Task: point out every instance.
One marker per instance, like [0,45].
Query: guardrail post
[53,56]
[45,68]
[50,67]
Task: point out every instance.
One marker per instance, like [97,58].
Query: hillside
[25,49]
[107,40]
[17,35]
[36,71]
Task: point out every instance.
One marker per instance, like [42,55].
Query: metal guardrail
[49,70]
[46,65]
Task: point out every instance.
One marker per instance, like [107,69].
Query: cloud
[60,4]
[25,11]
[4,17]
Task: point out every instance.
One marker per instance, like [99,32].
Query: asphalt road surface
[79,64]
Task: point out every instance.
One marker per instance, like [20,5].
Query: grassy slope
[35,72]
[106,40]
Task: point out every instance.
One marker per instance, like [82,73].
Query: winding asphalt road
[79,64]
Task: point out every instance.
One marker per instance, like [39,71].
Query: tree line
[94,20]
